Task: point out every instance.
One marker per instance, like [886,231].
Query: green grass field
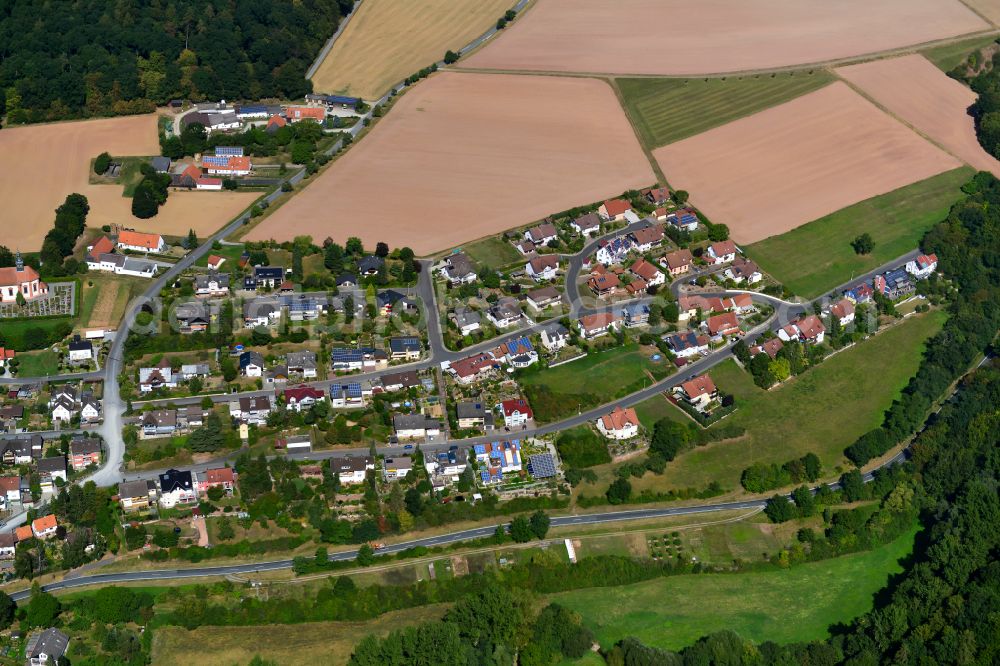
[492,252]
[38,364]
[668,110]
[230,252]
[798,604]
[14,332]
[949,56]
[591,381]
[653,409]
[818,256]
[822,411]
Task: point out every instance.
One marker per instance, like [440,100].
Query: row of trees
[71,219]
[92,58]
[761,477]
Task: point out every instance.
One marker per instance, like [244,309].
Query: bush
[102,163]
[582,447]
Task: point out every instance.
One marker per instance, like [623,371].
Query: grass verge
[818,255]
[950,56]
[668,110]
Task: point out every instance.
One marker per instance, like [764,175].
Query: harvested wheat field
[919,93]
[682,37]
[773,171]
[387,40]
[988,8]
[43,163]
[467,155]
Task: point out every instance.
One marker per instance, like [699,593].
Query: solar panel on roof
[542,465]
[231,151]
[215,160]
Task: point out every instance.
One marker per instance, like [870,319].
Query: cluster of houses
[517,353]
[895,284]
[53,471]
[218,117]
[66,403]
[173,488]
[101,255]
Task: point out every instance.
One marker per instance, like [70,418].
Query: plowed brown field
[915,90]
[687,37]
[41,164]
[467,155]
[773,171]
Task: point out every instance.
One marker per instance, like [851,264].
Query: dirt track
[43,163]
[709,36]
[467,155]
[922,95]
[773,171]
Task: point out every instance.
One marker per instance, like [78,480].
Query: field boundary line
[978,13]
[899,119]
[325,51]
[646,150]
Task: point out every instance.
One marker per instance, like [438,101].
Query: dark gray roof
[137,488]
[173,479]
[49,465]
[51,642]
[470,410]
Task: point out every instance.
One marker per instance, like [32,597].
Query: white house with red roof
[619,424]
[303,397]
[923,266]
[808,329]
[541,234]
[677,262]
[722,252]
[223,477]
[543,268]
[595,325]
[723,324]
[614,209]
[207,183]
[646,271]
[20,279]
[5,355]
[843,311]
[233,165]
[469,369]
[298,113]
[215,262]
[138,241]
[698,392]
[516,412]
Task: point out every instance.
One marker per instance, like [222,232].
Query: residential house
[90,408]
[516,412]
[415,426]
[276,375]
[8,545]
[678,262]
[136,495]
[505,312]
[894,285]
[119,264]
[20,279]
[23,533]
[363,358]
[227,165]
[614,209]
[604,285]
[101,246]
[352,469]
[923,266]
[615,250]
[466,320]
[10,487]
[84,452]
[554,336]
[471,368]
[177,487]
[648,273]
[45,648]
[408,348]
[635,314]
[539,299]
[6,355]
[543,268]
[151,379]
[347,281]
[595,325]
[303,397]
[519,352]
[296,114]
[458,269]
[141,242]
[190,416]
[265,277]
[370,265]
[688,344]
[587,225]
[215,262]
[698,392]
[159,422]
[619,423]
[542,234]
[684,219]
[211,285]
[80,351]
[743,269]
[473,415]
[193,317]
[349,395]
[525,247]
[721,253]
[44,527]
[302,363]
[52,470]
[251,364]
[741,303]
[194,370]
[21,451]
[398,381]
[252,410]
[657,196]
[396,468]
[386,301]
[63,408]
[219,477]
[807,329]
[770,347]
[446,464]
[723,324]
[861,293]
[647,237]
[843,311]
[261,312]
[295,444]
[506,455]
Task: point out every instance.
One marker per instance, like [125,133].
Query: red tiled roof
[519,405]
[810,327]
[300,392]
[220,475]
[277,121]
[644,269]
[620,418]
[234,164]
[471,365]
[842,309]
[44,523]
[192,172]
[647,235]
[204,180]
[23,532]
[679,259]
[303,112]
[139,239]
[215,260]
[8,483]
[6,354]
[699,386]
[616,207]
[604,282]
[102,246]
[593,322]
[722,323]
[9,276]
[539,264]
[723,248]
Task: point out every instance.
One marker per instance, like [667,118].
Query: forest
[91,58]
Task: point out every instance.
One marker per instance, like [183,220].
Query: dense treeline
[986,110]
[967,245]
[93,58]
[57,248]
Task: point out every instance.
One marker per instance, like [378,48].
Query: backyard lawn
[798,604]
[668,110]
[818,256]
[822,411]
[658,407]
[492,252]
[17,332]
[38,364]
[230,252]
[600,377]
